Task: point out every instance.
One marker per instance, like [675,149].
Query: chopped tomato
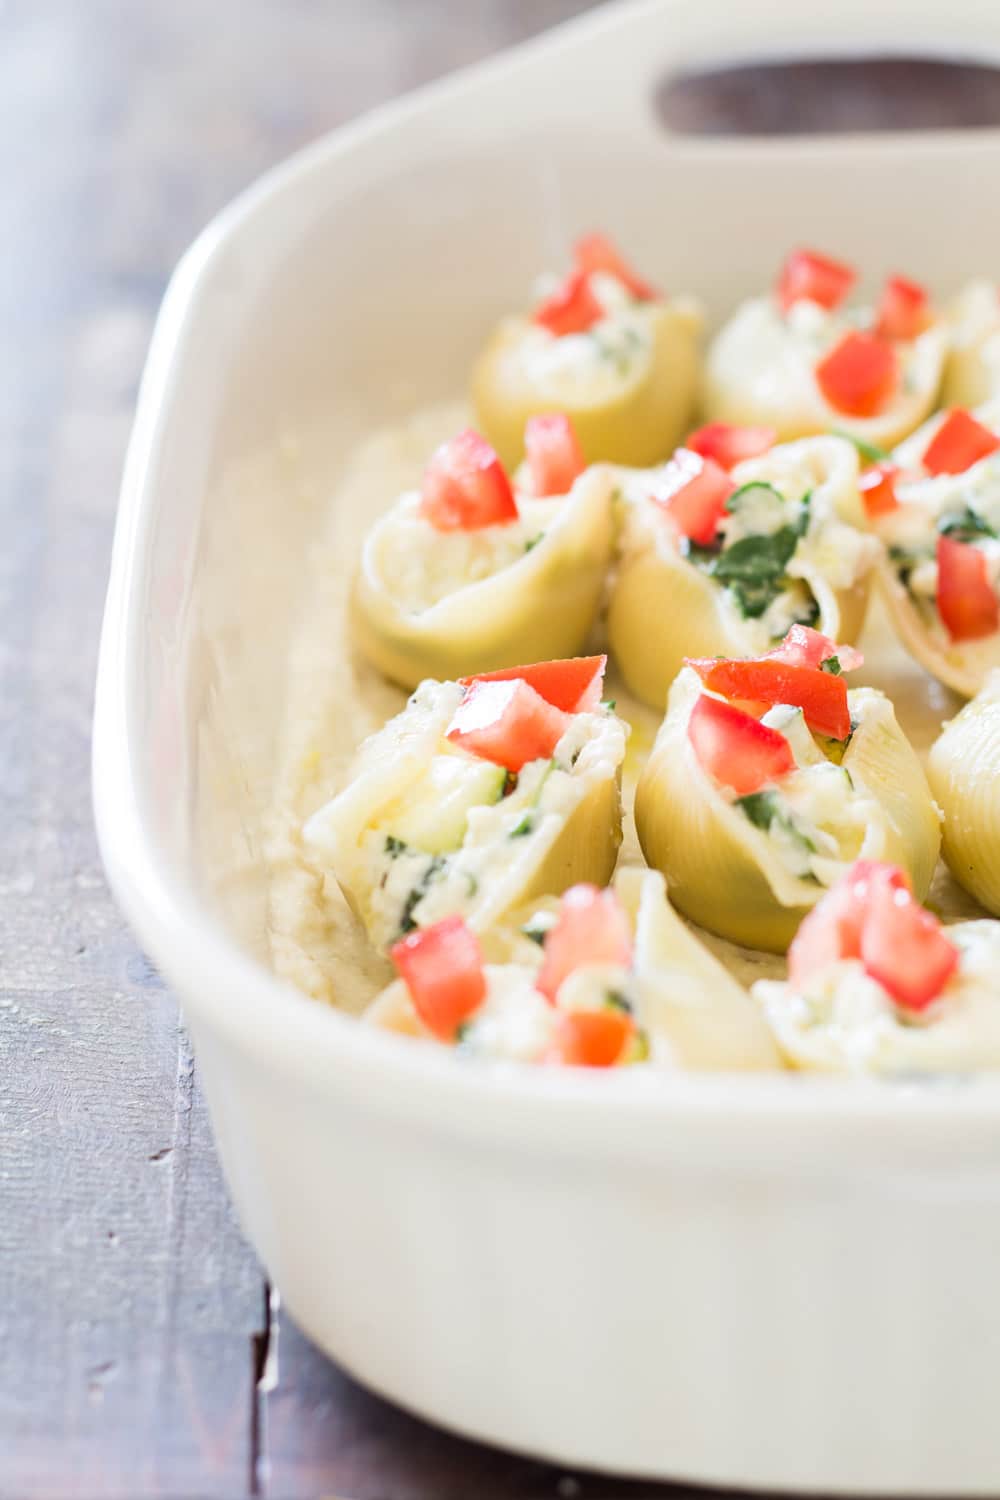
[959,443]
[878,489]
[553,453]
[966,599]
[591,1038]
[572,307]
[466,487]
[729,445]
[904,310]
[574,684]
[805,647]
[829,933]
[595,252]
[735,748]
[693,492]
[832,930]
[860,374]
[592,928]
[904,947]
[807,274]
[822,696]
[508,723]
[442,967]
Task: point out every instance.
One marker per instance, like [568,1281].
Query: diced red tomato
[554,456]
[572,307]
[829,933]
[729,445]
[872,915]
[466,486]
[878,489]
[807,274]
[904,310]
[595,252]
[966,599]
[904,947]
[860,375]
[591,1038]
[693,492]
[959,443]
[442,967]
[735,748]
[592,928]
[822,696]
[805,647]
[574,685]
[507,723]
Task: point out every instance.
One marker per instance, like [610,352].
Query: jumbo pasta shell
[640,423]
[662,608]
[964,773]
[540,607]
[723,873]
[758,373]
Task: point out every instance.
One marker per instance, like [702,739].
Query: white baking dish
[765,1282]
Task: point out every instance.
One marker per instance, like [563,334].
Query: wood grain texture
[132,1319]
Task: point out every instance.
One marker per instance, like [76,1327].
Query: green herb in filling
[419,891]
[832,665]
[967,526]
[764,809]
[394,847]
[615,1000]
[533,541]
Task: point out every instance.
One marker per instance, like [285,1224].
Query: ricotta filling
[426,565]
[595,365]
[815,819]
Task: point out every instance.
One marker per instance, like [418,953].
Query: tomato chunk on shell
[574,684]
[860,375]
[591,928]
[807,274]
[465,486]
[905,948]
[595,252]
[571,308]
[693,492]
[729,445]
[508,723]
[966,597]
[553,454]
[442,967]
[735,748]
[878,489]
[822,696]
[904,310]
[806,647]
[959,443]
[591,1038]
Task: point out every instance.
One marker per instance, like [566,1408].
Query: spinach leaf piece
[753,568]
[832,665]
[419,891]
[966,526]
[764,809]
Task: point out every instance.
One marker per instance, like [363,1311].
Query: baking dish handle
[631,50]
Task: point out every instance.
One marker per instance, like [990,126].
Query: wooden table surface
[132,1314]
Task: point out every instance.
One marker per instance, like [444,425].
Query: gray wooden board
[131,1311]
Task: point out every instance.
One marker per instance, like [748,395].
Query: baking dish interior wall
[360,288]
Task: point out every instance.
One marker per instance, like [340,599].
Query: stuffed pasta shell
[473,572]
[713,562]
[768,779]
[479,795]
[936,507]
[603,346]
[800,362]
[602,978]
[876,984]
[972,374]
[964,773]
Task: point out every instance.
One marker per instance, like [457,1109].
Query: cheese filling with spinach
[815,818]
[614,351]
[426,829]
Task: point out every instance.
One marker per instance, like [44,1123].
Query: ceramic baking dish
[766,1282]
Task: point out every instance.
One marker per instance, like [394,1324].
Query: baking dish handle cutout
[830,96]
